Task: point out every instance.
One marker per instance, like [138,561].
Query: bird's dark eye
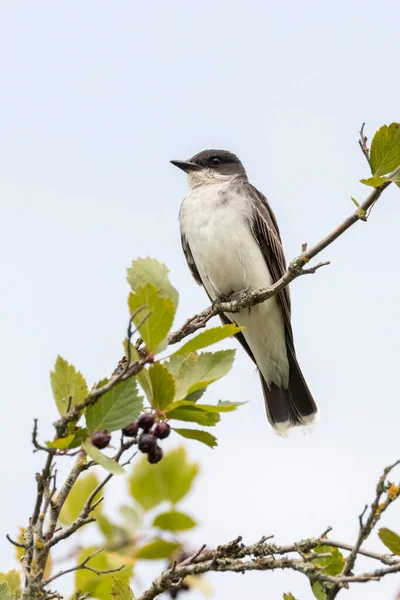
[214,160]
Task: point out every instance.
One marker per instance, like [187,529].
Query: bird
[231,241]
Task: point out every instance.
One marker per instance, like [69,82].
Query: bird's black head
[211,166]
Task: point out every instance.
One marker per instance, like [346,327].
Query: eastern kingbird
[231,241]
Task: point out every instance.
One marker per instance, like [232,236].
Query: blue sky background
[96,98]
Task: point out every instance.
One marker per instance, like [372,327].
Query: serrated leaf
[121,590]
[288,596]
[333,564]
[157,550]
[199,371]
[196,434]
[174,520]
[101,586]
[101,459]
[116,408]
[385,149]
[61,443]
[170,479]
[191,413]
[318,591]
[161,314]
[67,382]
[390,539]
[13,580]
[174,364]
[209,337]
[149,270]
[194,396]
[163,386]
[374,181]
[77,497]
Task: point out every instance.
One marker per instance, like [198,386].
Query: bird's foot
[233,297]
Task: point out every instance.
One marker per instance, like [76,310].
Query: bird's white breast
[215,221]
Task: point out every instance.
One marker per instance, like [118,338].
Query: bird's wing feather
[190,260]
[265,230]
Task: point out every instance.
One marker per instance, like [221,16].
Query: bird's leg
[233,297]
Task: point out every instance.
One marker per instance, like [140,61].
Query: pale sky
[96,98]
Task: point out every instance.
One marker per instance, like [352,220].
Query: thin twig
[83,566]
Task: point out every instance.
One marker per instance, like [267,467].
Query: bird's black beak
[185,165]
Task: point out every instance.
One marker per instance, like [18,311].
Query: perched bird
[231,241]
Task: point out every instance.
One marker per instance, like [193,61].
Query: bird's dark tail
[291,407]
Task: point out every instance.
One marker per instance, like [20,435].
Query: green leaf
[149,270]
[288,596]
[374,181]
[80,436]
[318,591]
[170,479]
[13,580]
[390,539]
[201,436]
[61,443]
[174,521]
[101,459]
[67,382]
[132,518]
[222,406]
[198,371]
[163,385]
[5,592]
[77,497]
[161,310]
[191,413]
[174,364]
[395,176]
[385,149]
[355,202]
[209,337]
[121,590]
[157,550]
[116,536]
[101,586]
[194,396]
[203,414]
[333,564]
[116,408]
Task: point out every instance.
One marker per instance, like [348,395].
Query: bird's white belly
[229,259]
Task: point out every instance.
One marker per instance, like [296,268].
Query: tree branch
[247,298]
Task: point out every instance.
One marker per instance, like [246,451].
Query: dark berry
[101,439]
[131,429]
[146,421]
[147,443]
[155,455]
[162,430]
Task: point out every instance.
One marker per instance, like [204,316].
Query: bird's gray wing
[190,260]
[266,231]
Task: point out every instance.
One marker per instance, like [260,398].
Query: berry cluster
[151,433]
